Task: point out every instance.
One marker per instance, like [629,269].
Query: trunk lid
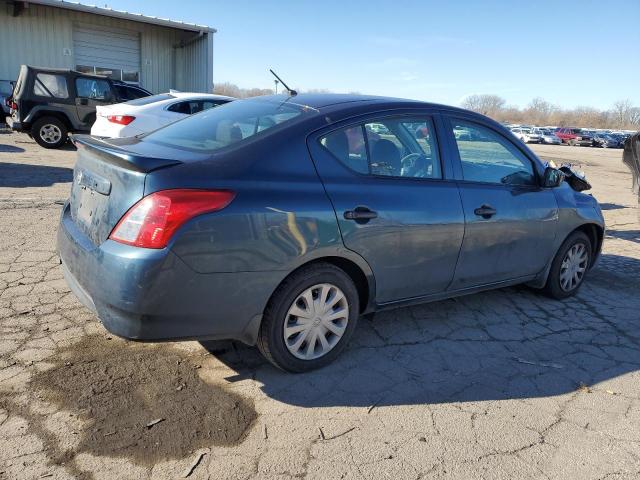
[107,180]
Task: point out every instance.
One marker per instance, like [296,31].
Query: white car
[526,135]
[146,114]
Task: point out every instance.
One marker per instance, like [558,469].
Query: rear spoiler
[119,156]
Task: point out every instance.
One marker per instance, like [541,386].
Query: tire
[288,296]
[49,132]
[572,143]
[555,286]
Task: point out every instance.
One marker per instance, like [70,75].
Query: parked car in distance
[573,136]
[526,135]
[48,103]
[6,87]
[621,137]
[378,128]
[150,113]
[279,220]
[548,137]
[605,140]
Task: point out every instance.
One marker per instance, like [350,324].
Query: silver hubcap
[50,133]
[573,267]
[316,321]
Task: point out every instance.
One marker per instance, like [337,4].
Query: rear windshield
[227,124]
[152,99]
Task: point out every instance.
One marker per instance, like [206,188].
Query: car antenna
[292,93]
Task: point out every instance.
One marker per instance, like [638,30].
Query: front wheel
[49,132]
[569,266]
[309,319]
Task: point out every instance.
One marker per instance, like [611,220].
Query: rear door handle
[485,211]
[360,213]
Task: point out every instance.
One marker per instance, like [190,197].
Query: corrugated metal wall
[43,36]
[194,67]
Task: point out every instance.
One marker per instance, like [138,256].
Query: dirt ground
[500,385]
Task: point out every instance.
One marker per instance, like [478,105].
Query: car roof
[187,95]
[335,101]
[65,71]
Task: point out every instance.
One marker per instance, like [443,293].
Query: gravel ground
[499,385]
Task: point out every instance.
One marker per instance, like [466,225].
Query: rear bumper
[14,124]
[146,294]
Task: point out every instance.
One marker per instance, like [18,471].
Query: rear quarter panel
[280,218]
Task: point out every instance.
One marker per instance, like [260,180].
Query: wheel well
[60,116]
[595,234]
[350,268]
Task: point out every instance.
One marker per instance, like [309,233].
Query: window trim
[361,121]
[448,118]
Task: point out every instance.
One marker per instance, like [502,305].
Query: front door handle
[363,214]
[485,211]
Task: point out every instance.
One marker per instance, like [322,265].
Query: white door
[107,49]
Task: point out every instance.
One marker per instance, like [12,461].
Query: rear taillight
[152,221]
[121,119]
[13,106]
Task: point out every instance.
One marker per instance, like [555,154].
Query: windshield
[152,99]
[225,125]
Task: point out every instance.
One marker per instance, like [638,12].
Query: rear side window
[489,157]
[50,85]
[193,106]
[228,124]
[93,88]
[391,147]
[181,107]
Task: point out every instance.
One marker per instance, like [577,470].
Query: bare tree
[622,115]
[232,90]
[484,104]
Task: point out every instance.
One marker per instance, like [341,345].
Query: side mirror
[552,177]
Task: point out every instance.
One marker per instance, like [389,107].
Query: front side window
[93,88]
[393,147]
[50,85]
[489,157]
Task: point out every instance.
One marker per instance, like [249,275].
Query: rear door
[396,203]
[510,220]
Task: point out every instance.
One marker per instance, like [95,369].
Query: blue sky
[570,53]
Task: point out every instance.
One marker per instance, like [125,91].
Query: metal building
[155,53]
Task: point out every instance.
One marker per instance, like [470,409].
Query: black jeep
[49,103]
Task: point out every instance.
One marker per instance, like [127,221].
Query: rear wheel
[309,319]
[569,266]
[49,132]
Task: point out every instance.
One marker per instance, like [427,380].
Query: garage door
[106,49]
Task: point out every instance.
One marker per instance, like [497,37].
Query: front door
[91,92]
[395,205]
[510,220]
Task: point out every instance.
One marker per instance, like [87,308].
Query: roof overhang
[135,17]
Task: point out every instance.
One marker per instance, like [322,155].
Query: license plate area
[88,203]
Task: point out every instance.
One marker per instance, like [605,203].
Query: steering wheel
[410,164]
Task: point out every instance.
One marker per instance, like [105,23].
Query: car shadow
[611,206]
[630,235]
[512,343]
[21,175]
[10,149]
